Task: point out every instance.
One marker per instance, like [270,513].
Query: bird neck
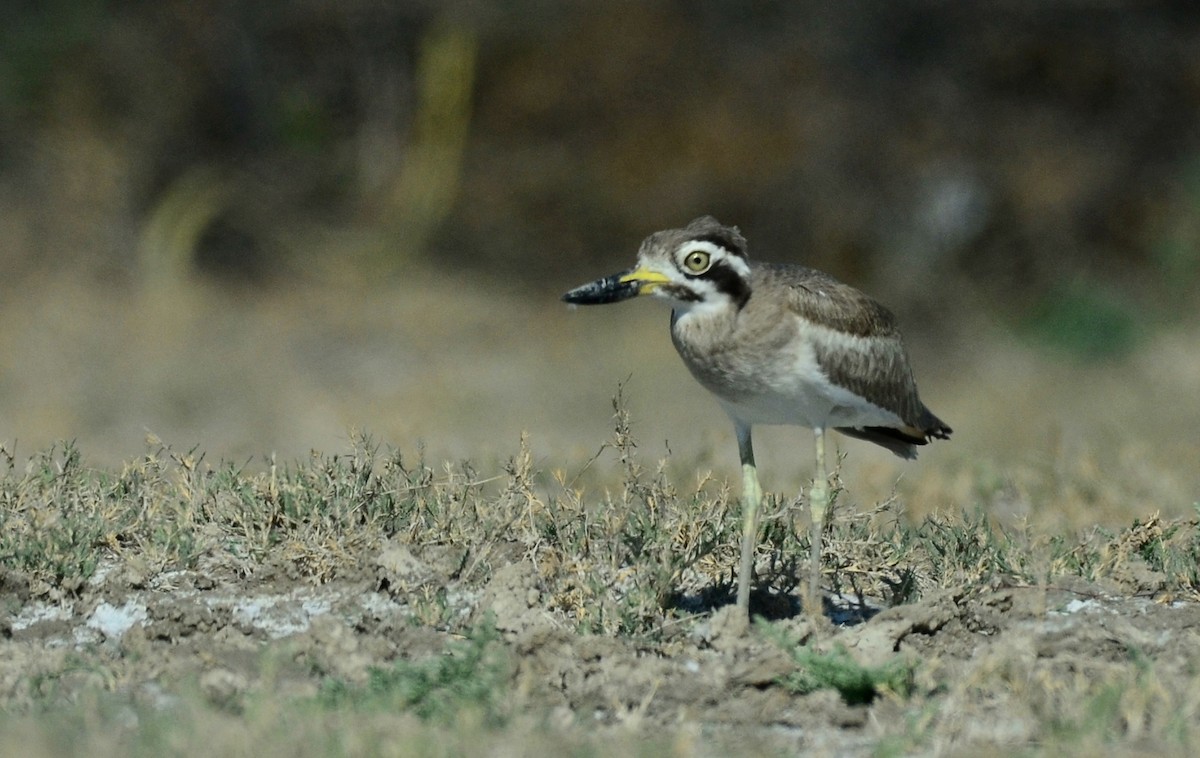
[709,317]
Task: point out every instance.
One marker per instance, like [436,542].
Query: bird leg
[818,503]
[751,497]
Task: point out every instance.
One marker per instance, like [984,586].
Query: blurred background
[253,227]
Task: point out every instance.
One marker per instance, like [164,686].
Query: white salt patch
[36,613]
[1075,606]
[113,622]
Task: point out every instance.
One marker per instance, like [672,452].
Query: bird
[777,344]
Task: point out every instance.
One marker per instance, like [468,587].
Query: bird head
[702,263]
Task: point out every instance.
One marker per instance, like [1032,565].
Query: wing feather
[857,344]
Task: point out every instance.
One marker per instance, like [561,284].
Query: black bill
[610,289]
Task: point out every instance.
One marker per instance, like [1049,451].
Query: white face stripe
[718,253]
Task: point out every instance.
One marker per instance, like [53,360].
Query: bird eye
[697,261]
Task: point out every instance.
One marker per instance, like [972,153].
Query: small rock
[511,596]
[729,628]
[767,667]
[398,569]
[223,688]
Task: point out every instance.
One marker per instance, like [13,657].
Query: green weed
[471,674]
[837,670]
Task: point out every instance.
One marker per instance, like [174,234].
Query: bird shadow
[772,604]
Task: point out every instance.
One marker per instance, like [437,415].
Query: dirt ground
[997,667]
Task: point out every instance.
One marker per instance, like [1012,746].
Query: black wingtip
[933,427]
[895,440]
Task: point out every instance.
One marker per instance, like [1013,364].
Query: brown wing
[860,347]
[820,298]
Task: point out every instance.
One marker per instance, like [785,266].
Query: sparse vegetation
[838,670]
[634,565]
[469,675]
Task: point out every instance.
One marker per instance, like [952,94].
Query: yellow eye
[697,261]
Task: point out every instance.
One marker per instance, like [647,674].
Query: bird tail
[903,441]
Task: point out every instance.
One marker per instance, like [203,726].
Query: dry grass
[169,509]
[620,556]
[630,556]
[620,551]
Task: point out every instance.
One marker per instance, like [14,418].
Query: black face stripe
[728,282]
[724,277]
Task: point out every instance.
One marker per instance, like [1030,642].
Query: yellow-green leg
[751,497]
[818,504]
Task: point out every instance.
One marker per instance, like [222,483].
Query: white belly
[777,381]
[802,396]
